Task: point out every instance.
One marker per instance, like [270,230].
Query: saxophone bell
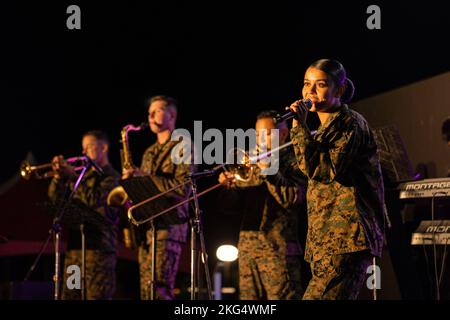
[117,197]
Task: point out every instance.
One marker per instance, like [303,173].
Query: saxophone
[117,197]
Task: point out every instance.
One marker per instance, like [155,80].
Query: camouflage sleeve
[325,159]
[95,196]
[287,187]
[57,189]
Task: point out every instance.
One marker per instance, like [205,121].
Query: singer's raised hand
[300,109]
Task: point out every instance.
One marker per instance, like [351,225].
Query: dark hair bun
[337,72]
[349,91]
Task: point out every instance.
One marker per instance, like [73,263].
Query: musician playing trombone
[269,250]
[90,196]
[172,228]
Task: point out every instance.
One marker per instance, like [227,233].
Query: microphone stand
[196,231]
[58,243]
[55,231]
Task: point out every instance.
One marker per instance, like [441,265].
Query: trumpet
[243,171]
[245,165]
[45,171]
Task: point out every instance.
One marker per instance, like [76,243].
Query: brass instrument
[244,167]
[118,197]
[243,170]
[45,171]
[241,166]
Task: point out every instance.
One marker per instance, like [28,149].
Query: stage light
[227,253]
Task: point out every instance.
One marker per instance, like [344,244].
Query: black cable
[444,255]
[438,293]
[436,278]
[427,262]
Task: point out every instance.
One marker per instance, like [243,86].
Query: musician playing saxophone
[172,227]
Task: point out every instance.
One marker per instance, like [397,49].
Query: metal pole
[83,263]
[56,278]
[153,250]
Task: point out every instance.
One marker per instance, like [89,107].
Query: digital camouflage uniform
[172,228]
[345,200]
[100,231]
[269,251]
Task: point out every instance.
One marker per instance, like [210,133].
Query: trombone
[244,172]
[44,171]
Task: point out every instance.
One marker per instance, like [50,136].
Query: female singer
[345,195]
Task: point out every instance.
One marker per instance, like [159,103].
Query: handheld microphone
[291,114]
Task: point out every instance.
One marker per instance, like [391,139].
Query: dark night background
[224,62]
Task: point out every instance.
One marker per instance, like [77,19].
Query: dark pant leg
[338,277]
[265,272]
[167,260]
[250,286]
[100,275]
[279,272]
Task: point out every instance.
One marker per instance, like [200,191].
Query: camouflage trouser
[338,277]
[167,259]
[263,272]
[100,275]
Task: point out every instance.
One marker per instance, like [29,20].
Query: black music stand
[394,158]
[142,189]
[397,167]
[79,215]
[60,217]
[139,189]
[76,215]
